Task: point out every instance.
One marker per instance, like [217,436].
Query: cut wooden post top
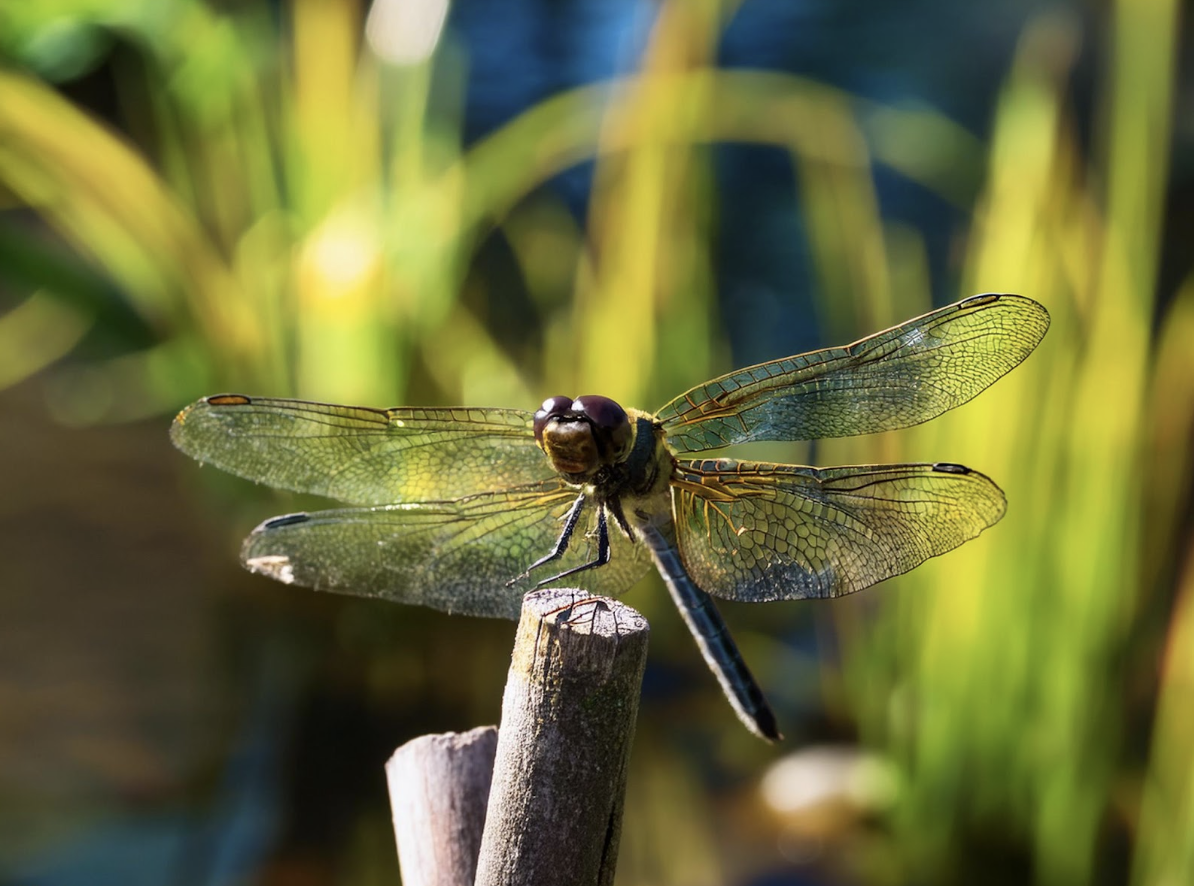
[568,716]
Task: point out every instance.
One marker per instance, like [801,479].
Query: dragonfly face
[462,509]
[582,436]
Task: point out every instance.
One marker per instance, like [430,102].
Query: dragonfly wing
[759,532]
[893,379]
[362,456]
[455,556]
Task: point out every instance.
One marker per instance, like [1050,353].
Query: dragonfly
[466,509]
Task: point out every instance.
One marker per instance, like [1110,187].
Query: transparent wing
[455,556]
[362,456]
[759,532]
[903,376]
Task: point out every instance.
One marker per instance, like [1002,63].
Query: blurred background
[412,202]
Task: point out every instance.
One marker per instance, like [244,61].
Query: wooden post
[439,786]
[555,805]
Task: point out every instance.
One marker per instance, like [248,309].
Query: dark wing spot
[284,520]
[228,400]
[946,467]
[976,300]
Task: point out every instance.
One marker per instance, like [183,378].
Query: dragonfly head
[582,436]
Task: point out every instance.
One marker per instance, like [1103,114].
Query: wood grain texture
[439,787]
[568,714]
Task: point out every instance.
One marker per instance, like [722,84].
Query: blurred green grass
[302,218]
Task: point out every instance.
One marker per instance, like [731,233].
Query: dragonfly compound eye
[553,407]
[611,425]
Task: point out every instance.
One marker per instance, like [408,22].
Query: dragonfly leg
[602,552]
[561,545]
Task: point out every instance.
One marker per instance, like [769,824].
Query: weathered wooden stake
[568,714]
[439,786]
